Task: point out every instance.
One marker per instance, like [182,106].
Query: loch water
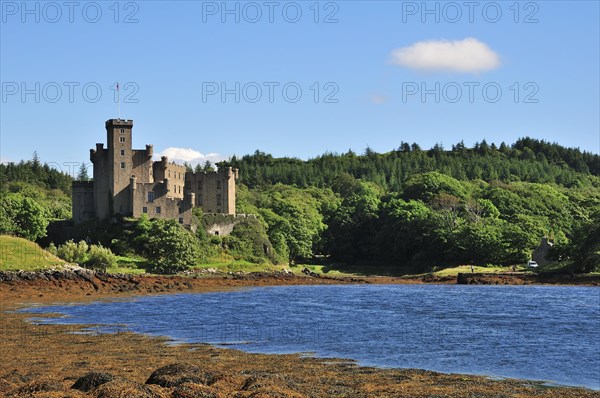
[549,333]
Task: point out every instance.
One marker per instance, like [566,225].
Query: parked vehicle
[532,264]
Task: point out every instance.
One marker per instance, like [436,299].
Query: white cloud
[467,55]
[189,155]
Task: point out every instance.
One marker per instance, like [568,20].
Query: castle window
[218,184]
[150,196]
[180,220]
[158,210]
[122,165]
[122,152]
[144,209]
[219,199]
[122,131]
[169,173]
[121,139]
[199,185]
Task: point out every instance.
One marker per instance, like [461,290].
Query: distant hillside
[21,254]
[527,160]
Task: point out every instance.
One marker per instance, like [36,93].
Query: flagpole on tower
[118,100]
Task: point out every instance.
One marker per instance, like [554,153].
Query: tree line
[408,208]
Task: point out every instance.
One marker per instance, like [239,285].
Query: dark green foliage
[169,247]
[528,160]
[82,174]
[32,172]
[482,205]
[293,217]
[408,207]
[584,248]
[249,241]
[49,188]
[22,216]
[429,185]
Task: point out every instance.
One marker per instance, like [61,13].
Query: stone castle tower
[128,182]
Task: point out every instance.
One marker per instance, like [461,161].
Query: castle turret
[149,151]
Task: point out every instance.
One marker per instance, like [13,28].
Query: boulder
[16,377]
[268,386]
[121,388]
[193,390]
[5,386]
[176,374]
[36,387]
[92,380]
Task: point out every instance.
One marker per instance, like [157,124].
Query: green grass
[22,254]
[467,268]
[322,269]
[125,270]
[129,265]
[230,265]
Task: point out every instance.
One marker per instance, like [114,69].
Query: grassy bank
[21,254]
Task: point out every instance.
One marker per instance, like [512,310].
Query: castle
[128,182]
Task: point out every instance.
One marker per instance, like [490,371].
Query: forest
[409,208]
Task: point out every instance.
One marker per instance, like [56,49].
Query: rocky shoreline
[43,360]
[526,279]
[81,280]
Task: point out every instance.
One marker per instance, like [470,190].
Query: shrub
[73,252]
[22,216]
[52,249]
[170,248]
[101,257]
[249,241]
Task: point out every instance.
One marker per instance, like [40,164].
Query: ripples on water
[532,332]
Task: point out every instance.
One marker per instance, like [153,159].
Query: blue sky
[361,67]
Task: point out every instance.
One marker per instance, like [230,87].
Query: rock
[5,386]
[15,377]
[92,380]
[192,390]
[267,386]
[36,387]
[310,273]
[176,374]
[121,388]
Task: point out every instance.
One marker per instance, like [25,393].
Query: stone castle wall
[128,182]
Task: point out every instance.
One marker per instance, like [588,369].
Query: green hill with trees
[409,208]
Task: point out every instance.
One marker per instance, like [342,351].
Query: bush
[101,257]
[93,256]
[170,248]
[22,216]
[73,252]
[249,241]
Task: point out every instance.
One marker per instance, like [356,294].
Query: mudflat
[60,361]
